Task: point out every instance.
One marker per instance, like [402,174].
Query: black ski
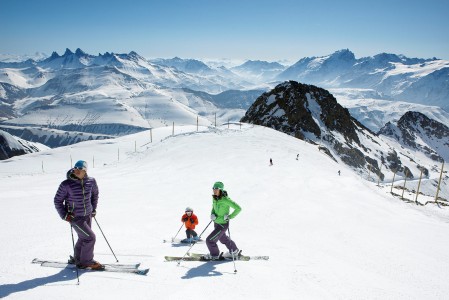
[200,257]
[239,256]
[193,258]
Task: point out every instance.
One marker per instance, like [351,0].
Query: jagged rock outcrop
[416,131]
[11,146]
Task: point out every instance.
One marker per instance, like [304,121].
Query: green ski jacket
[220,208]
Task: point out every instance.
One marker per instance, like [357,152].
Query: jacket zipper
[84,197]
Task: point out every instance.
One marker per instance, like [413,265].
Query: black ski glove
[185,219]
[192,221]
[94,213]
[69,217]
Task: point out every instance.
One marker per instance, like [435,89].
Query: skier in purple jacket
[76,202]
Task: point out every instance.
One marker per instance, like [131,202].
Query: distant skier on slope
[76,202]
[221,204]
[190,220]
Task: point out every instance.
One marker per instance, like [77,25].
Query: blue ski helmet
[81,165]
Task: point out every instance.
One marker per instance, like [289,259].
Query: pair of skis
[118,268]
[201,257]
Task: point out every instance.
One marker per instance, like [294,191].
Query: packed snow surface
[328,236]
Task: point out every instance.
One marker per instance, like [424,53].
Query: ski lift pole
[199,237]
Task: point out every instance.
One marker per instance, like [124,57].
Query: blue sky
[234,29]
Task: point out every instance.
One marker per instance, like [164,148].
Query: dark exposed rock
[310,113]
[289,108]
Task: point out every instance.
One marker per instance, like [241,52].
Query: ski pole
[173,239]
[179,262]
[232,252]
[73,243]
[105,239]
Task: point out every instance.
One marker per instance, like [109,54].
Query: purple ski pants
[84,247]
[219,234]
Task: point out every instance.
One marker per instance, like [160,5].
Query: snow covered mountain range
[416,80]
[110,94]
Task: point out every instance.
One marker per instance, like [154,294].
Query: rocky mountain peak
[54,55]
[300,110]
[80,52]
[67,52]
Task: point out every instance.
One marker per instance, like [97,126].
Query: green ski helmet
[218,185]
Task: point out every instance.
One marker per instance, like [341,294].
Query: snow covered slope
[328,236]
[312,114]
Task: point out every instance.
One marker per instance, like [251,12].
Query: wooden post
[43,167]
[215,119]
[378,177]
[151,135]
[369,172]
[228,123]
[118,154]
[93,161]
[405,181]
[392,183]
[135,146]
[173,130]
[439,182]
[419,184]
[71,163]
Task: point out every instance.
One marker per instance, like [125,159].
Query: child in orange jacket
[190,220]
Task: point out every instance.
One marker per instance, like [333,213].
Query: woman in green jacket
[221,205]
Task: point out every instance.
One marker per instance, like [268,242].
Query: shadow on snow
[66,274]
[207,269]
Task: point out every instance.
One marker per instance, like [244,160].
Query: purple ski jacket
[76,196]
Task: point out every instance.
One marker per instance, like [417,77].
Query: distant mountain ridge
[185,65]
[409,79]
[117,94]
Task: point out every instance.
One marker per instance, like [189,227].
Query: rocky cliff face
[11,146]
[300,110]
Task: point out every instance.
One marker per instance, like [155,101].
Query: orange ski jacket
[191,222]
